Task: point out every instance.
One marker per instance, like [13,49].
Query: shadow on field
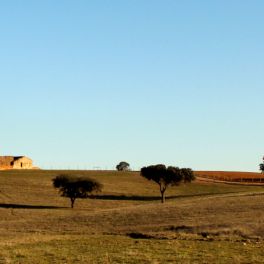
[142,198]
[27,206]
[125,197]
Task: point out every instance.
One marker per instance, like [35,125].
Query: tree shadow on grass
[142,198]
[125,197]
[28,206]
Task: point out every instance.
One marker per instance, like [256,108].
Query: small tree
[165,177]
[261,167]
[122,166]
[76,187]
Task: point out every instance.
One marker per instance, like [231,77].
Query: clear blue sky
[87,84]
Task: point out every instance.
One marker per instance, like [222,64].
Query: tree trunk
[162,191]
[72,202]
[163,196]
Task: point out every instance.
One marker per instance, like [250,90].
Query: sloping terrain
[126,223]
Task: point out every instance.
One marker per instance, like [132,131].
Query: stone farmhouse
[16,163]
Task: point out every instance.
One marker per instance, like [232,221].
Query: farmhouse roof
[12,157]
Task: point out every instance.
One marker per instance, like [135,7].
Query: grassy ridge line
[209,174]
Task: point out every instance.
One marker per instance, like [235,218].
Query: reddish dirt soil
[231,175]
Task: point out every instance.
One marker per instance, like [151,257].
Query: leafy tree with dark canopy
[122,166]
[75,187]
[167,176]
[261,167]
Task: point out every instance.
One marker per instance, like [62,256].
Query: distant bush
[261,167]
[123,166]
[75,187]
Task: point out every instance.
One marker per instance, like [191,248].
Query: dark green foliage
[166,176]
[122,166]
[187,174]
[261,167]
[75,187]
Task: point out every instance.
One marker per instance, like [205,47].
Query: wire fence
[82,167]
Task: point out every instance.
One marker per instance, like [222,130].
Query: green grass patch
[120,249]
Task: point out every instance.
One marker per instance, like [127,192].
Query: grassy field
[126,223]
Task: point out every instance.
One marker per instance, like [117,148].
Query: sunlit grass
[38,226]
[120,249]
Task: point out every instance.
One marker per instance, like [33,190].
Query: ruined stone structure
[16,163]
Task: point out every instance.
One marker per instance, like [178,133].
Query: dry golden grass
[199,223]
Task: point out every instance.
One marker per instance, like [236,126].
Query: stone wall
[5,162]
[18,163]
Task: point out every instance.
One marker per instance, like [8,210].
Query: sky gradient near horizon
[86,84]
